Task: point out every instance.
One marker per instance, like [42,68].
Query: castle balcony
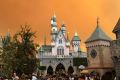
[64,56]
[55,56]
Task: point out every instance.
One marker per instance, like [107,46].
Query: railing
[55,56]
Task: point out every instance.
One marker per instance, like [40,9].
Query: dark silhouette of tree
[26,50]
[8,52]
[19,52]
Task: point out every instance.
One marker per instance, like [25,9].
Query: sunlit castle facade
[60,53]
[99,52]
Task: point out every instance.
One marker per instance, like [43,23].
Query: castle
[62,54]
[65,56]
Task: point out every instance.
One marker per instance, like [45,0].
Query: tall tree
[26,50]
[8,52]
[19,52]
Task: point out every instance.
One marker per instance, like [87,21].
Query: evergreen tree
[8,52]
[26,61]
[19,52]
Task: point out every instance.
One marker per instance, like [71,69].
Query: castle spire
[54,15]
[76,34]
[68,36]
[98,34]
[45,40]
[53,21]
[54,27]
[97,21]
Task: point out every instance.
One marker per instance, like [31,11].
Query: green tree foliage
[9,50]
[26,50]
[20,52]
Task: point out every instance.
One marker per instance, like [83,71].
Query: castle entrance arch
[60,69]
[70,70]
[50,70]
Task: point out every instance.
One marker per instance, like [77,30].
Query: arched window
[60,41]
[53,30]
[60,50]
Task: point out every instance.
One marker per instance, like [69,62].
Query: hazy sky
[78,15]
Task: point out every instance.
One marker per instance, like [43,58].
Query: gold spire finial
[54,15]
[68,32]
[76,34]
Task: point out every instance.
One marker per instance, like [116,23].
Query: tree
[19,52]
[26,61]
[8,52]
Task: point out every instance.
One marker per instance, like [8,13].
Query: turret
[75,42]
[63,28]
[98,50]
[41,50]
[79,52]
[116,30]
[54,27]
[115,49]
[67,41]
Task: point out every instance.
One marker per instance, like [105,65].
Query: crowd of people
[67,77]
[62,77]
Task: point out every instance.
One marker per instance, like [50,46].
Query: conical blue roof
[76,37]
[98,34]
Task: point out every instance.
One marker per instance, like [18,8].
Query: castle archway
[50,70]
[60,68]
[70,70]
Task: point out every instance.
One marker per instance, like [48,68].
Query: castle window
[93,53]
[53,31]
[60,50]
[60,41]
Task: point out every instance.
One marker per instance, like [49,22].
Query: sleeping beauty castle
[61,54]
[64,55]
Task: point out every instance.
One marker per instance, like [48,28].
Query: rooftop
[98,34]
[117,26]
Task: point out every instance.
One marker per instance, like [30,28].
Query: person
[34,76]
[15,77]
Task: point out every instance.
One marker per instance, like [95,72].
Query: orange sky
[78,15]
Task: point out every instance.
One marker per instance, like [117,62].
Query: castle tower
[116,30]
[98,51]
[79,52]
[75,42]
[54,27]
[68,41]
[115,46]
[63,28]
